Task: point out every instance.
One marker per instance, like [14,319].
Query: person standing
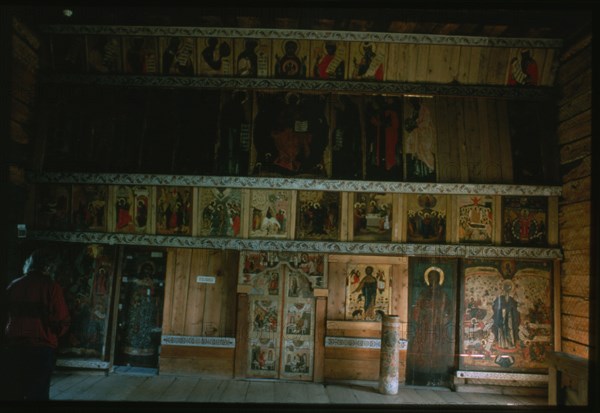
[37,315]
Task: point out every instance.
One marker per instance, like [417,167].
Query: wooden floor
[151,392]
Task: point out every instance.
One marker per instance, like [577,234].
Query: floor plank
[289,392]
[180,389]
[151,389]
[260,392]
[76,391]
[128,387]
[234,392]
[338,393]
[115,388]
[316,394]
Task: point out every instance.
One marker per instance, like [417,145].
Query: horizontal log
[575,238]
[353,325]
[351,369]
[575,150]
[577,169]
[577,190]
[576,349]
[193,351]
[571,91]
[574,104]
[575,128]
[575,285]
[576,262]
[574,215]
[575,328]
[576,306]
[341,353]
[354,333]
[574,63]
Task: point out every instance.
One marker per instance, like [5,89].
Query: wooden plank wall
[361,363]
[199,310]
[473,140]
[574,81]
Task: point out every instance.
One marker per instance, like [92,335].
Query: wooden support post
[389,355]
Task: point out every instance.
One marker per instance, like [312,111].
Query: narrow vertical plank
[443,166]
[319,345]
[497,212]
[337,289]
[505,154]
[230,262]
[497,66]
[464,63]
[437,68]
[116,300]
[473,74]
[167,325]
[461,140]
[245,230]
[402,217]
[397,226]
[453,120]
[484,154]
[412,57]
[344,216]
[552,228]
[180,290]
[494,164]
[395,62]
[241,339]
[196,294]
[548,72]
[422,71]
[557,295]
[473,142]
[213,298]
[484,60]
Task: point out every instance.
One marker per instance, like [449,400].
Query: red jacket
[37,311]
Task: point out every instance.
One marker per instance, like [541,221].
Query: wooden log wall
[22,69]
[574,137]
[197,309]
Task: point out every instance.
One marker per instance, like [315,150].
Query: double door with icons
[281,314]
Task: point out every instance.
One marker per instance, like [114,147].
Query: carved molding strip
[195,341]
[325,247]
[266,33]
[82,363]
[297,184]
[501,376]
[352,342]
[366,87]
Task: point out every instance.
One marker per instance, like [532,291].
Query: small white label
[156,254]
[205,279]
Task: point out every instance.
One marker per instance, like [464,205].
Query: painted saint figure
[432,317]
[368,287]
[506,318]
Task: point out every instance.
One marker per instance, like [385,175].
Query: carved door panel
[281,324]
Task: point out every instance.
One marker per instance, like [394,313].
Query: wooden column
[389,371]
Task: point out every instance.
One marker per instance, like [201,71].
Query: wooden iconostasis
[297,134]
